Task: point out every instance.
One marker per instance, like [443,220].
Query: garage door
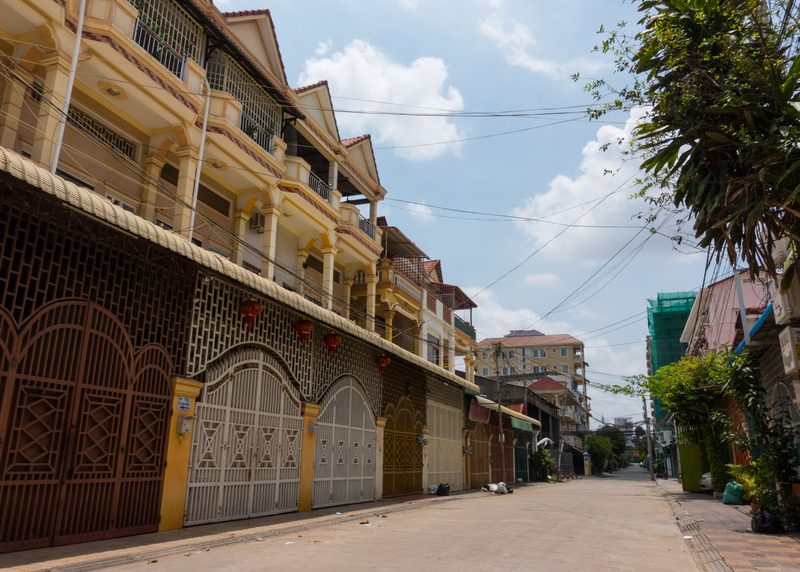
[344,464]
[246,441]
[444,445]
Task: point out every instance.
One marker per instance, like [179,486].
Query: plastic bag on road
[732,494]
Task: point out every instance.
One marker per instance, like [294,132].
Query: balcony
[319,186]
[366,227]
[407,286]
[167,32]
[464,326]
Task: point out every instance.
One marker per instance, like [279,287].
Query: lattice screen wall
[397,380]
[49,252]
[218,326]
[445,394]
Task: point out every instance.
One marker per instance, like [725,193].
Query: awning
[489,404]
[521,425]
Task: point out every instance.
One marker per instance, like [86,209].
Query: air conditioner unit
[786,305]
[258,222]
[789,340]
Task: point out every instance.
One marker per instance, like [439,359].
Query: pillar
[328,257]
[372,282]
[240,219]
[333,175]
[269,244]
[302,256]
[373,212]
[179,447]
[55,91]
[348,288]
[308,450]
[153,165]
[10,113]
[389,332]
[183,205]
[418,341]
[466,467]
[380,431]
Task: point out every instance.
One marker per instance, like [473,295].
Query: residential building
[178,316]
[523,356]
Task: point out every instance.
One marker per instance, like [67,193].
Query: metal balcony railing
[160,49]
[366,227]
[168,33]
[319,186]
[464,326]
[404,284]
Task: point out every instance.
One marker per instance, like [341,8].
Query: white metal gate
[344,464]
[445,446]
[246,441]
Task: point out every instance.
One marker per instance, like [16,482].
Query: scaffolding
[666,318]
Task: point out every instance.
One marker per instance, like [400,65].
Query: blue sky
[584,266]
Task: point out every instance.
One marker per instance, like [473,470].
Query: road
[616,522]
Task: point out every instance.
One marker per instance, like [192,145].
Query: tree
[640,443]
[601,450]
[616,436]
[721,79]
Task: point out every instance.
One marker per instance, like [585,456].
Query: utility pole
[498,348]
[649,440]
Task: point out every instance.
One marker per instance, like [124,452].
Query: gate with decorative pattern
[246,441]
[83,421]
[402,457]
[344,464]
[479,458]
[445,445]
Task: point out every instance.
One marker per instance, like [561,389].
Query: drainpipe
[70,82]
[199,159]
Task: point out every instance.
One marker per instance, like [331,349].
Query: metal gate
[344,464]
[444,446]
[402,456]
[522,455]
[83,422]
[479,460]
[245,459]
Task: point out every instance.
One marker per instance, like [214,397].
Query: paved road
[618,522]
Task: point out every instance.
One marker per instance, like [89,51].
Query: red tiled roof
[430,267]
[355,140]
[543,340]
[306,88]
[238,13]
[546,384]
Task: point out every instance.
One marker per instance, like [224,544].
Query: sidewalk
[721,537]
[116,552]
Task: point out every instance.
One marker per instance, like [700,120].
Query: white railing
[404,284]
[169,34]
[319,186]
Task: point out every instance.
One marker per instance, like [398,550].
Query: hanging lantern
[250,309]
[332,340]
[303,327]
[383,362]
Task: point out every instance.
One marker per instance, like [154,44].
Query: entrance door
[344,464]
[246,441]
[83,424]
[522,449]
[479,461]
[402,457]
[444,445]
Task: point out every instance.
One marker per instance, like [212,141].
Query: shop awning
[489,404]
[521,425]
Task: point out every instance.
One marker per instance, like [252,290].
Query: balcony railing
[160,49]
[366,227]
[464,326]
[408,286]
[167,32]
[319,186]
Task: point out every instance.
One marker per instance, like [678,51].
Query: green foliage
[745,476]
[543,463]
[720,82]
[616,436]
[601,450]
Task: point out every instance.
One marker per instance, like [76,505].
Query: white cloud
[540,279]
[421,212]
[409,4]
[592,200]
[323,48]
[361,71]
[517,42]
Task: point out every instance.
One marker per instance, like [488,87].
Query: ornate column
[153,165]
[187,167]
[348,288]
[372,281]
[270,240]
[302,256]
[328,257]
[10,113]
[389,332]
[55,90]
[240,219]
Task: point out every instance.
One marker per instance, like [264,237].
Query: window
[485,355]
[433,349]
[563,352]
[120,203]
[74,179]
[170,174]
[197,241]
[564,369]
[485,372]
[506,371]
[163,224]
[511,354]
[217,250]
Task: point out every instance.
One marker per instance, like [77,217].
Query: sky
[530,212]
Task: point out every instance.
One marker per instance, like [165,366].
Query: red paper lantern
[332,340]
[383,362]
[303,327]
[250,309]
